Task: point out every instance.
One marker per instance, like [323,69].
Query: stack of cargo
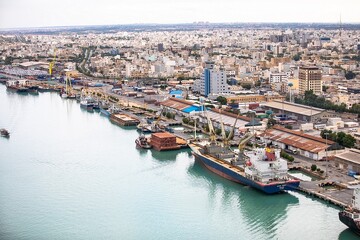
[164,141]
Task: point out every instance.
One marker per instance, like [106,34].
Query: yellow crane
[226,139]
[244,141]
[211,128]
[52,63]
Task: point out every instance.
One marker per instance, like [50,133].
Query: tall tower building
[212,81]
[310,79]
[160,47]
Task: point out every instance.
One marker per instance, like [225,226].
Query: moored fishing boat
[143,142]
[87,103]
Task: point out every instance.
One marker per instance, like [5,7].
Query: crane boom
[223,134]
[211,128]
[231,134]
[244,140]
[52,63]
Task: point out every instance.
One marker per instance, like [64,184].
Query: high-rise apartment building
[310,79]
[160,47]
[213,81]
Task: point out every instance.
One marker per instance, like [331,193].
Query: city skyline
[38,13]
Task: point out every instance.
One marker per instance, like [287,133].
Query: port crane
[226,139]
[211,128]
[52,63]
[155,125]
[68,93]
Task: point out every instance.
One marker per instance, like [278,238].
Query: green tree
[218,131]
[313,167]
[8,60]
[350,75]
[296,57]
[246,86]
[222,100]
[168,115]
[271,122]
[343,139]
[349,141]
[185,120]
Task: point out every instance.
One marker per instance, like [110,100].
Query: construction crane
[211,128]
[52,63]
[154,126]
[226,139]
[244,141]
[223,133]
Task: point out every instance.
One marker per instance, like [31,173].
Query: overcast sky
[39,13]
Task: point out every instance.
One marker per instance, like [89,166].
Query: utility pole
[326,155]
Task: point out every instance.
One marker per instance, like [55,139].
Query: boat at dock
[350,216]
[123,119]
[107,110]
[142,142]
[17,86]
[33,89]
[260,168]
[144,128]
[152,126]
[4,133]
[87,103]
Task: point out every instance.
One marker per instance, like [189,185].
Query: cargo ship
[260,168]
[16,86]
[350,216]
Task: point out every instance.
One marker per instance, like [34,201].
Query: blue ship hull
[269,188]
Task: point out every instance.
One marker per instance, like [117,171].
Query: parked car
[291,151]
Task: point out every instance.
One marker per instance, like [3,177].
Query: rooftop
[176,103]
[29,64]
[124,117]
[293,107]
[163,135]
[352,155]
[297,139]
[227,118]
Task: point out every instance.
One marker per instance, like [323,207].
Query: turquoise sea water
[69,174]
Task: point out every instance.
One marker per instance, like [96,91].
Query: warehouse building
[348,160]
[297,142]
[298,111]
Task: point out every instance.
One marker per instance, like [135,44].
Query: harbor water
[66,173]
